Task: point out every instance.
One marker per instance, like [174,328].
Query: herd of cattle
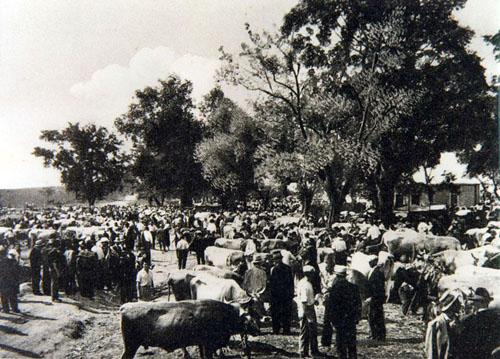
[213,293]
[221,280]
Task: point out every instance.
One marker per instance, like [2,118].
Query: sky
[81,61]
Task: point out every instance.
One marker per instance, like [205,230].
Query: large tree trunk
[385,198]
[385,182]
[306,196]
[336,195]
[335,209]
[186,199]
[157,201]
[91,201]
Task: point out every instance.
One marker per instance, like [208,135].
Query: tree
[164,134]
[295,105]
[412,87]
[88,157]
[48,193]
[482,159]
[227,153]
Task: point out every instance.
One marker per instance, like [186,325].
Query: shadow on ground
[21,352]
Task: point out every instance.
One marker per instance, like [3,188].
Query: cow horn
[245,300]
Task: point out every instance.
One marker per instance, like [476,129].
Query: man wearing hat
[182,248]
[281,294]
[255,279]
[308,338]
[198,246]
[376,285]
[9,281]
[35,257]
[86,265]
[127,275]
[343,311]
[437,336]
[481,299]
[57,264]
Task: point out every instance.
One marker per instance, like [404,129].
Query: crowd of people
[114,254]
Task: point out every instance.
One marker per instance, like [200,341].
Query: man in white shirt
[145,284]
[147,236]
[308,338]
[423,228]
[183,250]
[211,226]
[373,233]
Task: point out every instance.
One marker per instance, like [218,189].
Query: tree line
[352,97]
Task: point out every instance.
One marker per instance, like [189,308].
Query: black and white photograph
[256,179]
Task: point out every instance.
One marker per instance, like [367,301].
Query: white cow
[468,277]
[360,262]
[472,257]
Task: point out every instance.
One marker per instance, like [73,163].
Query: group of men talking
[343,306]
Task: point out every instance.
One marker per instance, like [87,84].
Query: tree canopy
[378,88]
[164,134]
[227,152]
[89,159]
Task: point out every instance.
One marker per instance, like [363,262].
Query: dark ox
[410,244]
[205,323]
[269,245]
[178,284]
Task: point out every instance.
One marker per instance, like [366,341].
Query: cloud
[110,90]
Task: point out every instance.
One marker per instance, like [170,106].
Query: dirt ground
[79,328]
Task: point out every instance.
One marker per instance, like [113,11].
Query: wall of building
[468,195]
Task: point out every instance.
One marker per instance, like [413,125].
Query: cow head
[248,324]
[254,307]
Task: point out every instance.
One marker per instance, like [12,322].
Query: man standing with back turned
[344,312]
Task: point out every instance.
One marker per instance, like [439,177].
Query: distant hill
[40,196]
[45,196]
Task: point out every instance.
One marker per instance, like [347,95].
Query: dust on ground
[80,328]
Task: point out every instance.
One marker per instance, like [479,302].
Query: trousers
[9,299]
[376,320]
[346,342]
[308,337]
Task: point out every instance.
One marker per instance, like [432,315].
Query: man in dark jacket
[36,266]
[343,310]
[281,294]
[376,285]
[198,246]
[57,264]
[127,275]
[46,279]
[86,264]
[131,234]
[9,281]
